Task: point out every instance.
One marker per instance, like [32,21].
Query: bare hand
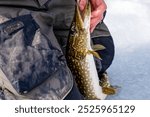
[98,8]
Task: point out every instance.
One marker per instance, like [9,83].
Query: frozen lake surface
[129,24]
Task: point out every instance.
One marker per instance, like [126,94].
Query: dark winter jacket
[33,37]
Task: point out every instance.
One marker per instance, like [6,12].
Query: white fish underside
[80,56]
[93,75]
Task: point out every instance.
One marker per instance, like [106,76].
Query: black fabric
[29,4]
[74,94]
[107,54]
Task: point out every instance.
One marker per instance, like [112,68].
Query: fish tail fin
[109,90]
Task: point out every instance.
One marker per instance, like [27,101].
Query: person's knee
[107,54]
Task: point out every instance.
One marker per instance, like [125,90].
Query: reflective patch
[13,27]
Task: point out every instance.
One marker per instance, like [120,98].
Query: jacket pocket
[27,58]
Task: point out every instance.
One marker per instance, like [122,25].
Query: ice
[129,24]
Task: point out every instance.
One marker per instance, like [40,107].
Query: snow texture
[129,24]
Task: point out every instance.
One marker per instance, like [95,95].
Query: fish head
[79,33]
[81,21]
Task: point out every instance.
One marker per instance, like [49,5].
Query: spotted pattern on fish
[80,58]
[81,73]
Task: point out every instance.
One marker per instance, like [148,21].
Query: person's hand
[98,8]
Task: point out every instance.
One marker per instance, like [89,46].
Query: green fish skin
[80,56]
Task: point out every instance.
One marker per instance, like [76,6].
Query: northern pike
[80,56]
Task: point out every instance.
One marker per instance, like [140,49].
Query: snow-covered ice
[129,24]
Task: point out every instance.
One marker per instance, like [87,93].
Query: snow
[129,24]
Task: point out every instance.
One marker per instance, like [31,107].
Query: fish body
[80,56]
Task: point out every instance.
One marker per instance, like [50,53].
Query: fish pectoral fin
[94,54]
[97,47]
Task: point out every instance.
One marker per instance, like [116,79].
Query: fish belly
[94,86]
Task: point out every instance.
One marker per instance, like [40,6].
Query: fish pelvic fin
[95,54]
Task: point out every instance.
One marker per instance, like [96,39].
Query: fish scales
[80,56]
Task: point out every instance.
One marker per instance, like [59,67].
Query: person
[98,9]
[33,43]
